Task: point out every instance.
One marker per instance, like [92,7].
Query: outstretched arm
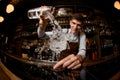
[73,61]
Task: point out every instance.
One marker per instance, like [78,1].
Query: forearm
[40,32]
[82,53]
[82,46]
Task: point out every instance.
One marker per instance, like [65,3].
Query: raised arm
[43,21]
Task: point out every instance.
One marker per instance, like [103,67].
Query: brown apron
[74,46]
[71,74]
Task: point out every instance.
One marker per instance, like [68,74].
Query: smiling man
[76,39]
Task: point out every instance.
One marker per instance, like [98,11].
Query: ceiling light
[1,19]
[9,8]
[117,5]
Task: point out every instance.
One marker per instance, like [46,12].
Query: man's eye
[73,22]
[79,25]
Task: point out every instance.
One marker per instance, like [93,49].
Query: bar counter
[31,68]
[47,63]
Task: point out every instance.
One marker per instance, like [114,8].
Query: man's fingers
[74,65]
[77,66]
[61,62]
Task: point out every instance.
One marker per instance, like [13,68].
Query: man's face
[75,25]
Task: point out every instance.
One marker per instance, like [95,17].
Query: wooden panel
[6,74]
[3,76]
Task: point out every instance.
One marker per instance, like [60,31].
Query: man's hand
[43,21]
[70,62]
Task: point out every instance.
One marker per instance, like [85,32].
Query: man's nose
[75,26]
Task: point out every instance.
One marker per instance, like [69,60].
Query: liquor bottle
[94,50]
[115,50]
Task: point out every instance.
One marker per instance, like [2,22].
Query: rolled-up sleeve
[82,45]
[43,34]
[40,32]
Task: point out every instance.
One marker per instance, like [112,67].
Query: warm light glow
[117,5]
[15,1]
[1,19]
[9,8]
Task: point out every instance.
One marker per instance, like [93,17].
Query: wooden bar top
[51,63]
[6,74]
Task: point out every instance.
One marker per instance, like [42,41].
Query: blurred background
[19,14]
[102,26]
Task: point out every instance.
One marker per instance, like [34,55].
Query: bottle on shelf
[94,50]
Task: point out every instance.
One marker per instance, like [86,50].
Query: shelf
[99,61]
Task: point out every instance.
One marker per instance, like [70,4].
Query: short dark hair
[77,16]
